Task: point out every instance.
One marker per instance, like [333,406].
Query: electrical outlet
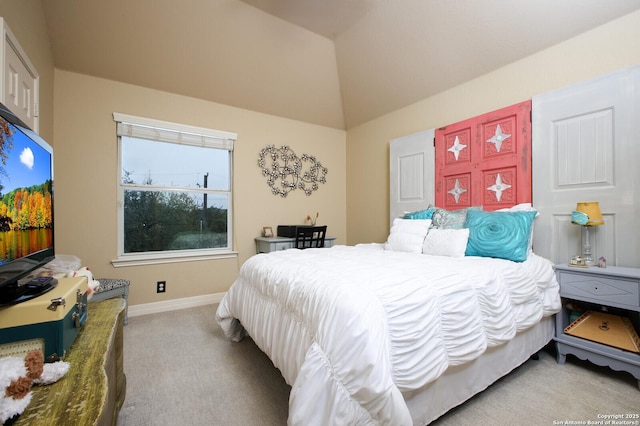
[161,287]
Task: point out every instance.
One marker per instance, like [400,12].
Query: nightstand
[269,244]
[615,290]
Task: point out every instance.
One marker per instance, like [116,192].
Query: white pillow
[446,242]
[524,207]
[407,235]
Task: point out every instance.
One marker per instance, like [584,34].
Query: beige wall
[86,179]
[604,49]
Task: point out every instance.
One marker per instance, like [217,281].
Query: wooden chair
[310,236]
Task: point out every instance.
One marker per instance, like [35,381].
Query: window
[174,191]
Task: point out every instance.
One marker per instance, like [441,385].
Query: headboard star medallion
[499,187]
[456,148]
[457,190]
[498,138]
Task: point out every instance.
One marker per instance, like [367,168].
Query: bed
[400,333]
[386,334]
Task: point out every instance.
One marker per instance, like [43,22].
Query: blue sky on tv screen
[28,164]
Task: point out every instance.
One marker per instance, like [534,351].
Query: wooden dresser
[93,390]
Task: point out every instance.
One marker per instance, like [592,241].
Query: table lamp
[587,214]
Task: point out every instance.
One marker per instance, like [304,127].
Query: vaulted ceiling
[336,63]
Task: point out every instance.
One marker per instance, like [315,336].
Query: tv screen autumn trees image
[26,210]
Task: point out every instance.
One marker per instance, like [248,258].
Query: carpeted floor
[181,370]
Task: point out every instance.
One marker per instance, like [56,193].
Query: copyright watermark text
[609,419]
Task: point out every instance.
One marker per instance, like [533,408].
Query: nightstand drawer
[604,289]
[282,246]
[267,245]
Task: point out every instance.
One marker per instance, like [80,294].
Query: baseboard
[174,304]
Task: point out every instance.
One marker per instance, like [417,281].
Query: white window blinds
[146,128]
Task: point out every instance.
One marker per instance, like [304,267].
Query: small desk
[269,244]
[93,390]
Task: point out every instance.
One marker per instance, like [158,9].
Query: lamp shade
[588,213]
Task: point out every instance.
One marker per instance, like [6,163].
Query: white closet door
[411,173]
[586,148]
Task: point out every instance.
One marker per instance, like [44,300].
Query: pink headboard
[485,160]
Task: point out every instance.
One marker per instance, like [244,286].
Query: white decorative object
[499,186]
[457,190]
[498,138]
[286,173]
[456,148]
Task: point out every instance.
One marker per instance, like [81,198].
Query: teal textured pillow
[504,235]
[422,214]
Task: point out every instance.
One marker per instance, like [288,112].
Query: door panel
[411,173]
[585,149]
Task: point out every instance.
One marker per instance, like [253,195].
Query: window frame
[147,128]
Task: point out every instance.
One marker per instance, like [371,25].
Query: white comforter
[351,328]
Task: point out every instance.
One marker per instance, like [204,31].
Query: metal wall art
[285,171]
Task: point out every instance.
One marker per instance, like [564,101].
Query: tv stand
[15,293]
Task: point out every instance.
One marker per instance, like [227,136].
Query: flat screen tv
[26,210]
